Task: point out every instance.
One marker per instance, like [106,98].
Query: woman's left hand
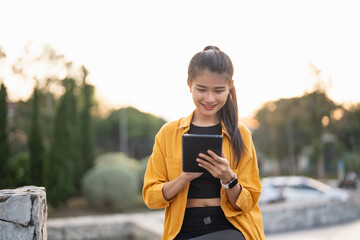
[218,166]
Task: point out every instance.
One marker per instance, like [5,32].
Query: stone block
[23,213]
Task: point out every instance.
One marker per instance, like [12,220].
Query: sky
[137,52]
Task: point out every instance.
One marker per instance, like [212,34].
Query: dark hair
[215,61]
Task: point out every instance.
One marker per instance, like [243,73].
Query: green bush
[117,158]
[112,182]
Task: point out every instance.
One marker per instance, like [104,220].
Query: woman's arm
[172,188]
[233,194]
[158,190]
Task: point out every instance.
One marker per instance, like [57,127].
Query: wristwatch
[230,184]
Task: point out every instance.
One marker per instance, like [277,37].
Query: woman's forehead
[208,79]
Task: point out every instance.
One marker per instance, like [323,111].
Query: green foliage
[4,144]
[351,161]
[36,145]
[348,129]
[289,125]
[312,121]
[63,154]
[86,131]
[141,131]
[112,182]
[19,167]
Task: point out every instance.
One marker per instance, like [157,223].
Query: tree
[36,145]
[63,154]
[86,131]
[348,129]
[4,145]
[140,132]
[287,126]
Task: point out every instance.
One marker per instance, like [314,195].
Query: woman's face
[210,92]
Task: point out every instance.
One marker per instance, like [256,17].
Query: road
[346,231]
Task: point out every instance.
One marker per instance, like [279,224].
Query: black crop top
[205,186]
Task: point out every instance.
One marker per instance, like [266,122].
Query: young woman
[222,202]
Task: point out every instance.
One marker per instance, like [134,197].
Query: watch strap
[230,184]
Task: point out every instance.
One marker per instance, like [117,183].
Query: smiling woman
[222,200]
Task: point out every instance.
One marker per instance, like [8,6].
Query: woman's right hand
[189,176]
[172,188]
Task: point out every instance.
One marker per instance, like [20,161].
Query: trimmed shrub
[112,183]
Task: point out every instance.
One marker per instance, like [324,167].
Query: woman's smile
[209,107]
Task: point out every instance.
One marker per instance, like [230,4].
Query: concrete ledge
[141,226]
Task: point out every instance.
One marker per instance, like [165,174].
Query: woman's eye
[219,91]
[201,90]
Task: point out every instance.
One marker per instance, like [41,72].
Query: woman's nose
[209,97]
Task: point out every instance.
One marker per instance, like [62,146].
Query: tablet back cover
[193,144]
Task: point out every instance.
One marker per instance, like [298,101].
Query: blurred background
[86,85]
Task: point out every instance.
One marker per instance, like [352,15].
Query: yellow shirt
[165,164]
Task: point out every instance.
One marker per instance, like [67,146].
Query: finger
[208,166]
[215,156]
[205,156]
[204,162]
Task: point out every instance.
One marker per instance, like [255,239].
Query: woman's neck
[205,121]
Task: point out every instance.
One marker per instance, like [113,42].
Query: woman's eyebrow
[203,86]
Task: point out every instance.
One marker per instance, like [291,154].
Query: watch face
[233,183]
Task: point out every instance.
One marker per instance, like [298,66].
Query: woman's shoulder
[171,125]
[244,129]
[245,132]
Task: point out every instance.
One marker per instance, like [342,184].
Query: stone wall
[295,216]
[23,213]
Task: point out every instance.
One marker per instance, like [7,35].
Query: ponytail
[230,118]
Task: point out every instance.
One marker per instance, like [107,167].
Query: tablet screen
[193,144]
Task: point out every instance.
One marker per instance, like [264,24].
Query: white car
[298,188]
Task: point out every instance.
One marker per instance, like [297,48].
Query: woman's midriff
[202,202]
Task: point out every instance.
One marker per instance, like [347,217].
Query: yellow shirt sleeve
[248,177]
[156,176]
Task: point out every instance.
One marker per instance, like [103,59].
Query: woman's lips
[209,108]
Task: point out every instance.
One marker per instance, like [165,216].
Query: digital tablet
[193,144]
